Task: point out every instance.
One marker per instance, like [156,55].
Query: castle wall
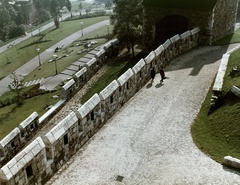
[224,18]
[44,156]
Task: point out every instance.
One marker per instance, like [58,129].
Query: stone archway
[170,26]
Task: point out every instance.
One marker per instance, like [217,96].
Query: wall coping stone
[107,91]
[88,106]
[151,56]
[166,44]
[8,138]
[235,90]
[20,160]
[217,87]
[50,111]
[138,66]
[175,38]
[84,59]
[69,84]
[107,45]
[231,161]
[195,31]
[185,34]
[80,72]
[29,119]
[97,53]
[125,77]
[60,129]
[159,50]
[91,62]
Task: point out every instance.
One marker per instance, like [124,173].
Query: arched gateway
[165,18]
[170,26]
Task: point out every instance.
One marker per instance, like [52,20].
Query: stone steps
[34,82]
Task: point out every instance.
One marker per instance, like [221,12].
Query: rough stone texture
[148,141]
[224,18]
[214,24]
[34,155]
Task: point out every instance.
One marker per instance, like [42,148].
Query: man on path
[152,74]
[162,74]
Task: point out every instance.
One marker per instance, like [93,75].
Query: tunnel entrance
[170,26]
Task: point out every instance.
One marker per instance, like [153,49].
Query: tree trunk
[133,54]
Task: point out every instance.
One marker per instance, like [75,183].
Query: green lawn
[18,55]
[11,116]
[218,133]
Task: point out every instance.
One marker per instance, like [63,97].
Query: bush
[16,32]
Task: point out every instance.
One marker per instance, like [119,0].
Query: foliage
[16,86]
[127,21]
[80,6]
[69,6]
[108,4]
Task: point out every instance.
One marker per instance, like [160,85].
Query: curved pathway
[46,55]
[148,141]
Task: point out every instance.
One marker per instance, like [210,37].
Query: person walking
[162,74]
[153,73]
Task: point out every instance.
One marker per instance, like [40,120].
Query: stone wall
[224,18]
[44,156]
[214,24]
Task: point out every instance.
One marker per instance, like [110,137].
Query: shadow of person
[159,85]
[149,85]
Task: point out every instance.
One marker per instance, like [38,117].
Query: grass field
[18,55]
[12,115]
[218,133]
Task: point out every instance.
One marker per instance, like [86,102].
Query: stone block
[166,44]
[233,162]
[29,120]
[6,140]
[138,66]
[80,72]
[195,31]
[159,50]
[175,38]
[217,87]
[151,56]
[185,35]
[88,106]
[235,90]
[125,77]
[68,85]
[109,90]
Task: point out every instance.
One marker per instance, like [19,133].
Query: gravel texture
[148,141]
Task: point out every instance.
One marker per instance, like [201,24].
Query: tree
[108,4]
[54,9]
[69,7]
[80,7]
[127,21]
[16,87]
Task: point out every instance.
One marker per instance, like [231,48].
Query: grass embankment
[218,134]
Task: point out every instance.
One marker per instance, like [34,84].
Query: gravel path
[148,141]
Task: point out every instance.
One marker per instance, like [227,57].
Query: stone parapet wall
[44,156]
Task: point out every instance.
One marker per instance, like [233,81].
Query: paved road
[45,56]
[148,142]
